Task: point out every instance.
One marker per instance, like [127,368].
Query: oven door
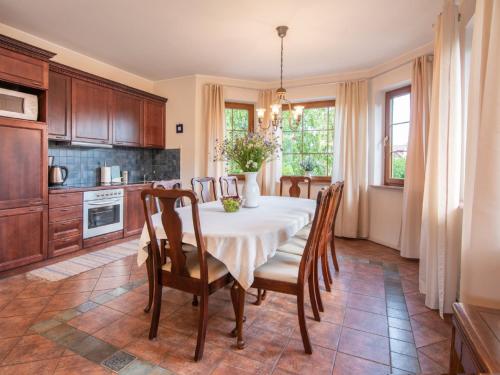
[102,216]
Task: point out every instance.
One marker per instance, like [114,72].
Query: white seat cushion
[216,269]
[281,267]
[294,245]
[304,232]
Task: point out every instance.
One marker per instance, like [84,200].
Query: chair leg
[316,285]
[324,268]
[149,268]
[202,327]
[302,323]
[313,298]
[334,253]
[155,318]
[261,296]
[195,300]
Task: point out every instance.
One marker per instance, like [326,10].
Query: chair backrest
[311,248]
[332,205]
[172,225]
[229,186]
[167,185]
[206,188]
[294,190]
[340,190]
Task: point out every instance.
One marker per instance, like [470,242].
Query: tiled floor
[375,322]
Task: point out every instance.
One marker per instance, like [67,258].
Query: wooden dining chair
[295,181]
[206,188]
[167,185]
[289,273]
[195,272]
[229,186]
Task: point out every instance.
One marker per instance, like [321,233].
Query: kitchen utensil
[57,175]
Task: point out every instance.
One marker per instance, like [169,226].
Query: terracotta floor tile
[366,321]
[438,352]
[6,345]
[365,345]
[428,366]
[24,306]
[76,365]
[15,326]
[66,301]
[295,360]
[405,362]
[111,282]
[79,285]
[366,303]
[123,331]
[182,361]
[280,322]
[333,313]
[349,365]
[403,347]
[115,270]
[234,363]
[39,289]
[39,368]
[95,319]
[33,348]
[322,334]
[425,335]
[128,302]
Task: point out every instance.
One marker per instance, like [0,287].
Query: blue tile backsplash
[83,163]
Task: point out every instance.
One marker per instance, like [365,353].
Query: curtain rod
[430,56]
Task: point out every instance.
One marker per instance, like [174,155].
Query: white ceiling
[160,39]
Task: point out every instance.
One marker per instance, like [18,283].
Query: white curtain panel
[480,277]
[270,172]
[350,158]
[214,121]
[421,85]
[441,214]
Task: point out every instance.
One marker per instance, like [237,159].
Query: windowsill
[315,180]
[387,187]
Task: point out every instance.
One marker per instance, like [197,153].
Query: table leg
[238,300]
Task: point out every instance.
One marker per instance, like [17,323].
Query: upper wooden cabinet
[59,106]
[23,70]
[127,119]
[154,124]
[91,112]
[23,163]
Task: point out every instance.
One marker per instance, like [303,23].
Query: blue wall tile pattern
[83,163]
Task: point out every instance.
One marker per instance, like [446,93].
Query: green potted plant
[249,153]
[308,165]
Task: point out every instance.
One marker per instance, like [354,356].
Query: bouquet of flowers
[248,152]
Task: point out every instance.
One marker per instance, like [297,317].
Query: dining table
[242,240]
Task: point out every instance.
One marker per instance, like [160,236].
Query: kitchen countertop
[76,188]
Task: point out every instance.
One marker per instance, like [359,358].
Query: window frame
[250,107]
[389,96]
[314,104]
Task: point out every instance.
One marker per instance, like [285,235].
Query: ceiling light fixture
[276,116]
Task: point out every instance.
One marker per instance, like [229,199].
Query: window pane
[291,165]
[321,164]
[229,113]
[316,119]
[232,167]
[331,118]
[292,142]
[400,136]
[398,165]
[240,119]
[286,125]
[329,167]
[315,141]
[401,109]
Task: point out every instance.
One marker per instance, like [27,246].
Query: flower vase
[308,174]
[251,191]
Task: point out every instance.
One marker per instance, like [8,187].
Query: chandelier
[276,116]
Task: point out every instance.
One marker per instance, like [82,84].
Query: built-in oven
[102,212]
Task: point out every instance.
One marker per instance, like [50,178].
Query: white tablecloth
[242,240]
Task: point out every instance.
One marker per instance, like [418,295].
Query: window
[397,127]
[312,140]
[239,121]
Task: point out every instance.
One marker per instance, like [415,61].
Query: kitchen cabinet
[91,112]
[22,69]
[134,210]
[23,163]
[59,107]
[23,236]
[127,119]
[154,124]
[65,223]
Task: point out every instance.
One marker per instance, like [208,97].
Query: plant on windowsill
[308,166]
[249,153]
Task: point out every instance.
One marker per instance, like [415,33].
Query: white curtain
[441,214]
[480,279]
[350,158]
[214,121]
[271,171]
[421,84]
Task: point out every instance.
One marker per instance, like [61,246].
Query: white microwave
[18,104]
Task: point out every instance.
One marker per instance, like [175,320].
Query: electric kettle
[56,175]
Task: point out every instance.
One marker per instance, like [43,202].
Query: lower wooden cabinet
[134,211]
[23,236]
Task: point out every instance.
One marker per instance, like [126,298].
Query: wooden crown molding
[24,48]
[89,77]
